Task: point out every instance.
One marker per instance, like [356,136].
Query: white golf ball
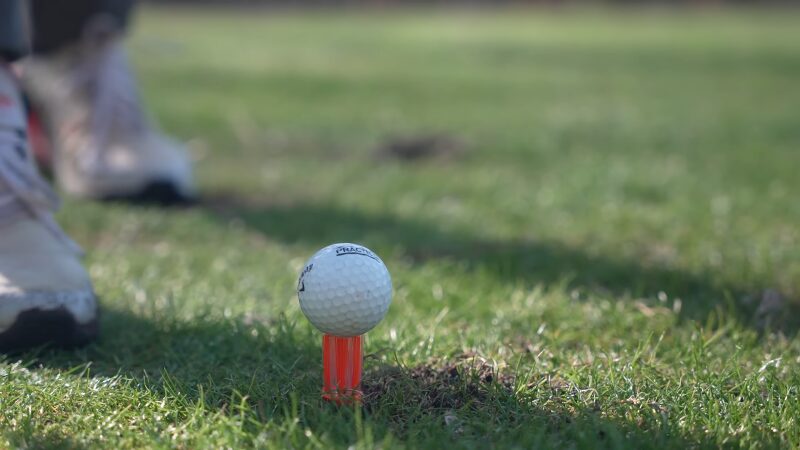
[345,290]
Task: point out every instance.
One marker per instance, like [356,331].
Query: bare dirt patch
[466,380]
[438,147]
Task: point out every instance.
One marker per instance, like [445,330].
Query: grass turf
[611,262]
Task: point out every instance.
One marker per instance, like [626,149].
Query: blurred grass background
[676,133]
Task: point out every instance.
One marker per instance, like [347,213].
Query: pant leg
[14,41]
[57,23]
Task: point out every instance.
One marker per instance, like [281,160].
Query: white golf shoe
[105,146]
[46,296]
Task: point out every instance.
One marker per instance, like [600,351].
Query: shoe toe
[46,296]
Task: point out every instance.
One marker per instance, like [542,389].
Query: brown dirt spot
[467,380]
[421,147]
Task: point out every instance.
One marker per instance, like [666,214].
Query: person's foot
[46,297]
[105,147]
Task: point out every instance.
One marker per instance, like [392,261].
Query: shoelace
[27,187]
[115,104]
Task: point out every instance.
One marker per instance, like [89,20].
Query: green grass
[627,194]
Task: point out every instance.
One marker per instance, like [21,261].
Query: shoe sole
[160,193]
[47,328]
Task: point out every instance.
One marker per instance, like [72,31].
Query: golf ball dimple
[345,290]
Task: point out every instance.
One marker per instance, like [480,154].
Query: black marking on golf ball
[301,285]
[361,251]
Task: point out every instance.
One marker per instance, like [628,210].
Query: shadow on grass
[268,373]
[27,439]
[214,359]
[526,261]
[275,369]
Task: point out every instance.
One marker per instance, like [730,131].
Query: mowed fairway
[611,259]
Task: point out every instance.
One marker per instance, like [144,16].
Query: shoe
[105,146]
[46,297]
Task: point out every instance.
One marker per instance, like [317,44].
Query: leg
[58,23]
[45,294]
[105,145]
[14,41]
